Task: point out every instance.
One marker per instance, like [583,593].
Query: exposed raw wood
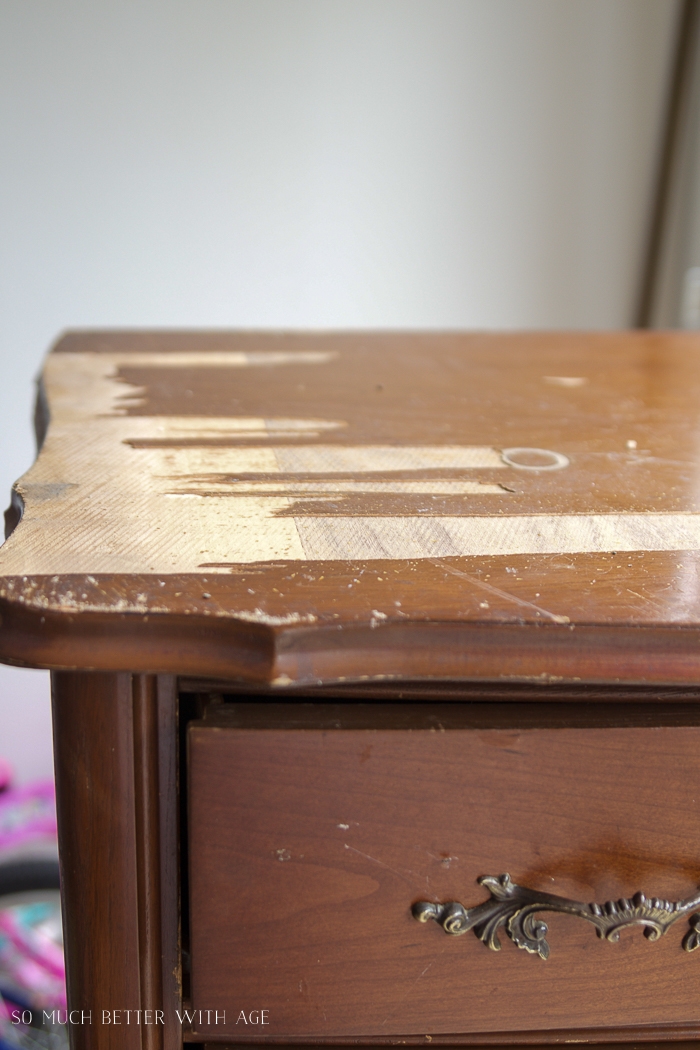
[315,483]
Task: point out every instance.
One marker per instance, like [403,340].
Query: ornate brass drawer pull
[515,908]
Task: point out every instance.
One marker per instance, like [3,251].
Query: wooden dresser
[376,678]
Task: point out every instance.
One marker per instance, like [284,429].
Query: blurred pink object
[5,774]
[26,813]
[32,958]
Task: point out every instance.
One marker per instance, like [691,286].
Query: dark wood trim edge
[683,1037]
[285,657]
[148,866]
[168,775]
[94,762]
[144,644]
[115,739]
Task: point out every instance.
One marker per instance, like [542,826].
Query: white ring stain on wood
[111,507]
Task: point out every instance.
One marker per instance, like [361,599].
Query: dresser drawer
[317,835]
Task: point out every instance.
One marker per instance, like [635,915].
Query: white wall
[430,163]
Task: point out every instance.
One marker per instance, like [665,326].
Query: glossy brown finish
[114,739]
[147,836]
[94,755]
[620,406]
[601,1039]
[446,689]
[303,657]
[447,389]
[330,517]
[439,717]
[168,801]
[308,848]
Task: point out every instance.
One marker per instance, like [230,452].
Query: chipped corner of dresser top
[311,506]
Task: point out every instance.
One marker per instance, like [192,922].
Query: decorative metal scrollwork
[515,908]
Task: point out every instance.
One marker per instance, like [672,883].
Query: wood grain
[442,690]
[94,757]
[148,854]
[602,1039]
[439,717]
[115,749]
[308,847]
[276,507]
[168,801]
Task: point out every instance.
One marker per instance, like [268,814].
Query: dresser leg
[113,847]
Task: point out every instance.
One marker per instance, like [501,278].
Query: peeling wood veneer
[313,483]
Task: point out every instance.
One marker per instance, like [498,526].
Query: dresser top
[302,508]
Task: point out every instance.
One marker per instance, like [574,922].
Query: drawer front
[309,848]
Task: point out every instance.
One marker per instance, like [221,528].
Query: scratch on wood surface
[95,504]
[644,598]
[501,594]
[411,987]
[381,864]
